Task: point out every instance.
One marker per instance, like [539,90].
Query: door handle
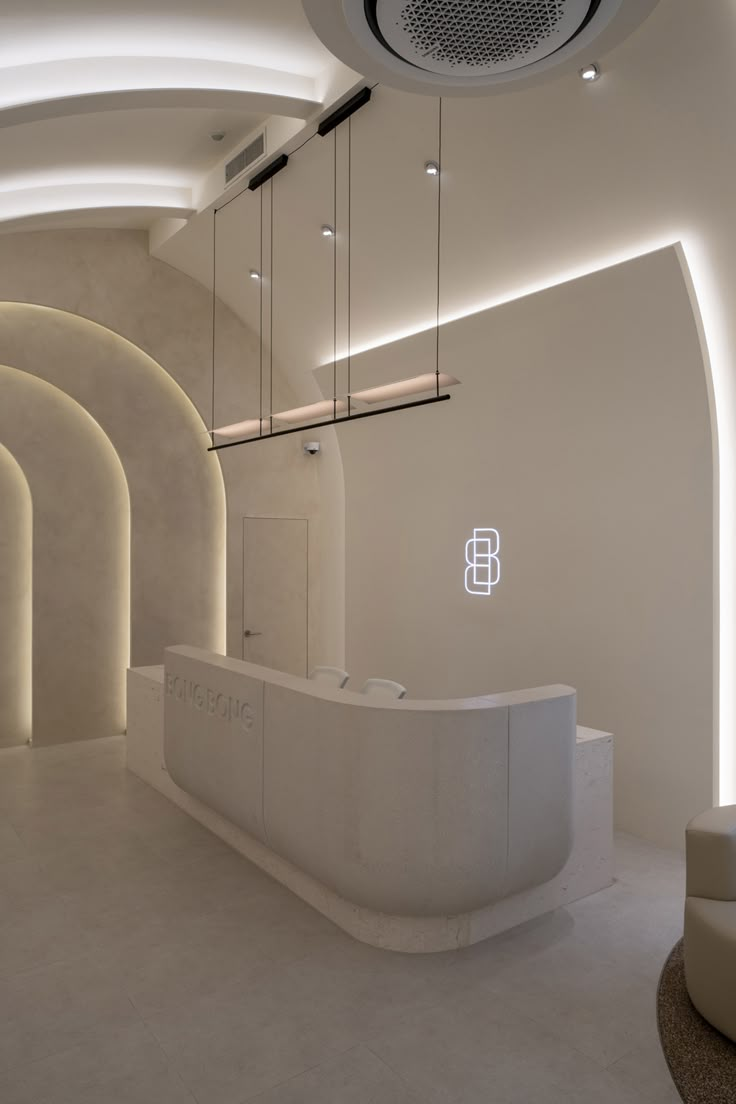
[249,632]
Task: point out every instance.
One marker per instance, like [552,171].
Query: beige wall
[81,560]
[175,487]
[130,340]
[16,543]
[581,432]
[554,181]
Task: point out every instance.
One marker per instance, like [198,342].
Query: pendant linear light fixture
[338,409]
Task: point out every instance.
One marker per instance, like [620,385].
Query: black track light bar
[276,165]
[344,111]
[331,422]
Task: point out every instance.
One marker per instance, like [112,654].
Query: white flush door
[275,619]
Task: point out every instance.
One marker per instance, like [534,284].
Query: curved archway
[177,494]
[81,559]
[16,538]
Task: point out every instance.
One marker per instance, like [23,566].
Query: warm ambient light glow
[416,385]
[327,408]
[710,312]
[554,279]
[86,195]
[250,425]
[52,81]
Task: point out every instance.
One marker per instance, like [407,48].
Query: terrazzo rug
[701,1060]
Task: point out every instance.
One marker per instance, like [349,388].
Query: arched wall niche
[109,278]
[80,560]
[16,543]
[176,490]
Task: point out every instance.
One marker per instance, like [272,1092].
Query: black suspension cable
[214,311]
[350,249]
[439,240]
[260,332]
[270,337]
[334,282]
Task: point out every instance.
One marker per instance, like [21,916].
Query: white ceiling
[107,106]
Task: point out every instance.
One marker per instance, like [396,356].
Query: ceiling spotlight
[255,274]
[590,72]
[432,168]
[328,231]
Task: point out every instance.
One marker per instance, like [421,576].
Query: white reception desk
[415,825]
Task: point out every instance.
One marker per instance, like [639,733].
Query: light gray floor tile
[111,1067]
[143,961]
[356,1077]
[11,845]
[48,1010]
[476,1048]
[644,1070]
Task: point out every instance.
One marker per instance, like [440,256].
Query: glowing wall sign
[484,566]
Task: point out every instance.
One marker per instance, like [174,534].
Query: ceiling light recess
[470,47]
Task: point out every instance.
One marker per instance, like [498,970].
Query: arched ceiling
[107,107]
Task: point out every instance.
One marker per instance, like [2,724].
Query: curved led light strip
[51,199]
[32,93]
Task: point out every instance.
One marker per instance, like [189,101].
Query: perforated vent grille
[479,34]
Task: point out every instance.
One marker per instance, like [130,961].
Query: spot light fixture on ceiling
[590,72]
[349,405]
[471,47]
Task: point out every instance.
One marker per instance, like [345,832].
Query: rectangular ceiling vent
[247,157]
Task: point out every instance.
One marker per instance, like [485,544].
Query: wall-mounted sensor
[311,447]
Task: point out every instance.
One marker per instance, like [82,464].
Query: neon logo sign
[482,557]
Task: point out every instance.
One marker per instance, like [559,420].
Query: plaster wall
[540,186]
[16,542]
[130,339]
[581,432]
[81,560]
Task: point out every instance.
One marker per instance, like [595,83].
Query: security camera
[312,447]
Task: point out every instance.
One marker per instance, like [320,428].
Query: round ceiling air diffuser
[470,47]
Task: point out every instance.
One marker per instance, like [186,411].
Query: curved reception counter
[414,825]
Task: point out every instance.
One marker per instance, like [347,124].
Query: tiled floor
[143,962]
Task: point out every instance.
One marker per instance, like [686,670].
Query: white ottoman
[710,917]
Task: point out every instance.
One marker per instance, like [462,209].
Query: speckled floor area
[143,962]
[701,1060]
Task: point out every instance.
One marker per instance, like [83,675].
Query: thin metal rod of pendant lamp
[296,419]
[214,312]
[439,238]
